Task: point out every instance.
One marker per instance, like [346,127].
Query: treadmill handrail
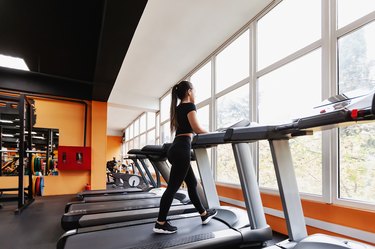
[215,138]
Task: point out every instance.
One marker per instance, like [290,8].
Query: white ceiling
[172,38]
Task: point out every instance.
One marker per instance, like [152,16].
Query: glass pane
[125,148]
[351,10]
[131,145]
[131,131]
[194,166]
[142,141]
[226,165]
[286,93]
[232,64]
[142,123]
[202,83]
[267,176]
[165,105]
[357,60]
[127,137]
[136,127]
[307,162]
[357,168]
[290,91]
[136,143]
[203,115]
[150,120]
[233,107]
[286,29]
[157,125]
[166,133]
[357,72]
[151,137]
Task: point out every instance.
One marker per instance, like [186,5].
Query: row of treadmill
[124,218]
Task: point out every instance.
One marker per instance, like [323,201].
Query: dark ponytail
[178,91]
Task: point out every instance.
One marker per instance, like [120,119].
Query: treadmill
[339,110]
[128,207]
[129,186]
[228,229]
[135,184]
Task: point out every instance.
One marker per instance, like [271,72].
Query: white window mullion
[213,115]
[327,142]
[253,92]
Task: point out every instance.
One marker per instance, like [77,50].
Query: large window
[232,64]
[289,70]
[290,26]
[283,95]
[357,143]
[202,83]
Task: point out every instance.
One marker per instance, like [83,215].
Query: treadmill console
[338,110]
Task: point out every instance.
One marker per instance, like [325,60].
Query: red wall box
[74,158]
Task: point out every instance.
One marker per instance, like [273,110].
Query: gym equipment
[230,228]
[125,207]
[128,185]
[339,110]
[26,113]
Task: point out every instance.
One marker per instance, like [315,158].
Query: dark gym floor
[38,226]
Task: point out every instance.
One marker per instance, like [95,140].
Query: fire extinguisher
[88,187]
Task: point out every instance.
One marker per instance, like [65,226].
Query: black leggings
[179,157]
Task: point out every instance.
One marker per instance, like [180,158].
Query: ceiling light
[13,62]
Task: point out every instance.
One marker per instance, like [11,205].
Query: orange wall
[336,214]
[98,145]
[113,147]
[68,117]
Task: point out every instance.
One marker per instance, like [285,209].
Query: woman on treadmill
[184,121]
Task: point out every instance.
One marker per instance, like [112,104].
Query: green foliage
[357,162]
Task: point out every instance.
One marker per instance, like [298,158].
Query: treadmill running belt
[175,242]
[95,207]
[141,236]
[120,197]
